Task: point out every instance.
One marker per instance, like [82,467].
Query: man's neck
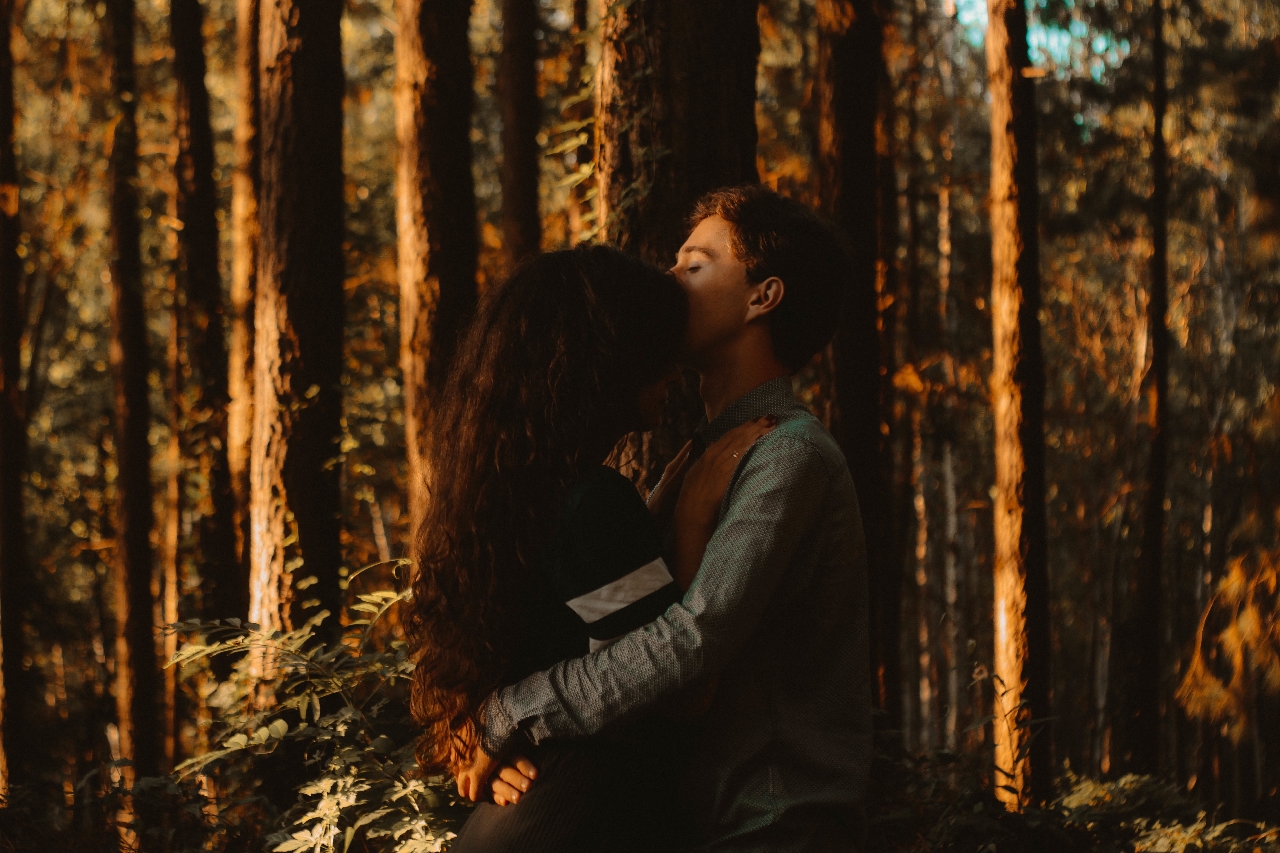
[734,373]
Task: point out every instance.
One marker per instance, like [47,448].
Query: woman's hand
[512,780]
[473,771]
[705,484]
[662,500]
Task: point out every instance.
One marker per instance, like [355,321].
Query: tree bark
[19,682]
[851,93]
[920,562]
[435,210]
[675,118]
[580,112]
[137,676]
[224,586]
[951,540]
[298,317]
[244,273]
[1144,688]
[675,115]
[1017,389]
[170,552]
[521,116]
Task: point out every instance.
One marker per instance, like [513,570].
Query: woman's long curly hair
[544,383]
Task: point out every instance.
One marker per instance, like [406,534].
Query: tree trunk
[851,92]
[521,116]
[675,115]
[298,315]
[435,210]
[920,562]
[223,584]
[244,273]
[1140,718]
[951,529]
[137,676]
[675,118]
[1017,388]
[18,685]
[170,556]
[580,112]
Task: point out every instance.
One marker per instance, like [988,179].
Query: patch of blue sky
[1067,52]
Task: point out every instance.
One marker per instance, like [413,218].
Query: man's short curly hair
[777,236]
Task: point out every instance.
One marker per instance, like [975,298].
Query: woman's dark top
[600,575]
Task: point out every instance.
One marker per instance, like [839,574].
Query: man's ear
[765,297]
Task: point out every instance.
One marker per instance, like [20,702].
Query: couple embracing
[603,674]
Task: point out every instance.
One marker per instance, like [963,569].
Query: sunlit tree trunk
[244,273]
[16,686]
[137,685]
[1144,683]
[1017,390]
[200,284]
[850,92]
[521,116]
[435,210]
[920,564]
[169,540]
[675,118]
[580,223]
[298,315]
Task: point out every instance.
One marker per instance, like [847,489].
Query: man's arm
[771,510]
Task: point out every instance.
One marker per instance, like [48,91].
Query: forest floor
[937,804]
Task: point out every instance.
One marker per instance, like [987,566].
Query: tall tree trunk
[521,116]
[298,317]
[580,112]
[951,534]
[1017,389]
[675,118]
[137,676]
[244,274]
[169,540]
[17,754]
[675,115]
[920,563]
[222,582]
[1144,683]
[435,210]
[851,93]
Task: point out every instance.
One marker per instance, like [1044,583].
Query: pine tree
[298,317]
[1017,388]
[435,210]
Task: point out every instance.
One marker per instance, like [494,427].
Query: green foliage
[331,718]
[942,804]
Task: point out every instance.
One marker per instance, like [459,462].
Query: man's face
[716,283]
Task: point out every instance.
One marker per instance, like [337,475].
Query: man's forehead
[709,237]
[691,248]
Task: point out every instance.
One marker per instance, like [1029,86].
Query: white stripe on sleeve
[612,597]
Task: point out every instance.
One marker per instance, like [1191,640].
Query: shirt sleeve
[608,562]
[771,510]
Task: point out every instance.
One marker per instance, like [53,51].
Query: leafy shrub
[329,721]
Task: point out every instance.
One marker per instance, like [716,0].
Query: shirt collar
[771,398]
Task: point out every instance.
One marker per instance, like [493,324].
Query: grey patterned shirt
[778,612]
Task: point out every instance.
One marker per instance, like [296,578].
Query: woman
[532,550]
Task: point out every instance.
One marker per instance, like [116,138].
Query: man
[777,616]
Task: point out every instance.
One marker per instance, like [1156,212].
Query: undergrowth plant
[329,721]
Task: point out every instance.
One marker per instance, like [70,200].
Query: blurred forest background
[238,239]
